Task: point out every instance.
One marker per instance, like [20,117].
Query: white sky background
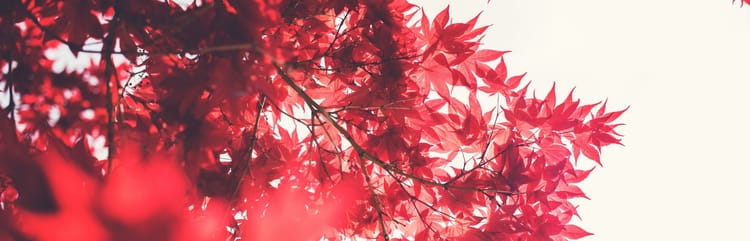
[683,66]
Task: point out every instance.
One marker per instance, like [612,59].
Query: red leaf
[602,109]
[438,24]
[74,192]
[453,31]
[570,191]
[474,33]
[612,116]
[514,81]
[590,152]
[502,72]
[555,153]
[425,26]
[602,139]
[487,55]
[579,175]
[550,100]
[442,89]
[459,79]
[435,104]
[584,110]
[574,232]
[440,59]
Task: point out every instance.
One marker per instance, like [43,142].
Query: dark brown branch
[109,71]
[359,149]
[49,32]
[375,199]
[388,106]
[479,165]
[330,138]
[11,102]
[414,197]
[245,167]
[338,33]
[314,141]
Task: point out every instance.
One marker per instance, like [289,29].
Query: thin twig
[338,33]
[330,138]
[375,199]
[244,169]
[51,33]
[11,102]
[491,136]
[109,71]
[359,149]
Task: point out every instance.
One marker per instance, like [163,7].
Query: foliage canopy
[278,120]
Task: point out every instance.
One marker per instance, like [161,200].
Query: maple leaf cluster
[278,120]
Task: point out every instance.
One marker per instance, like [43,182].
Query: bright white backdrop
[682,66]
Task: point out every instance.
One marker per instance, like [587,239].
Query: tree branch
[11,102]
[109,71]
[375,199]
[359,149]
[244,169]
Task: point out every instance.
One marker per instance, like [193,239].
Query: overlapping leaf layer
[278,120]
